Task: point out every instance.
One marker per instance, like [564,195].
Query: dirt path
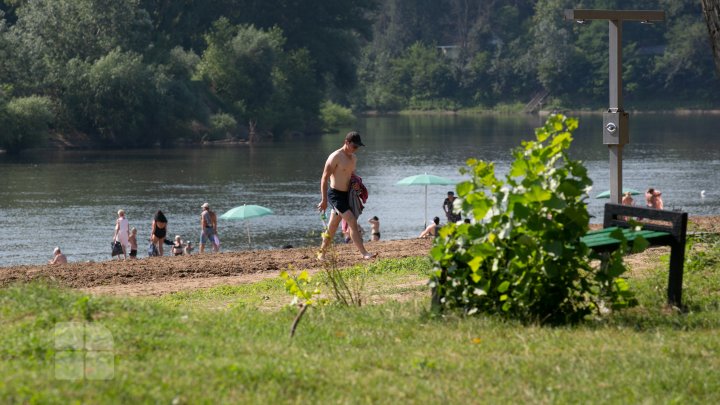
[162,275]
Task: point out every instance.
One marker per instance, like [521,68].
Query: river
[70,198]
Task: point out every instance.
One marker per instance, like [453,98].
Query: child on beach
[132,241]
[374,228]
[432,229]
[58,257]
[346,231]
[178,247]
[627,199]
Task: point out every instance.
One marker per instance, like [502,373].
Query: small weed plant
[346,290]
[304,291]
[522,258]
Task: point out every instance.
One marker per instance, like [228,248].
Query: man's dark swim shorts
[339,200]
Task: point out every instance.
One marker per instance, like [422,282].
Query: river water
[70,199]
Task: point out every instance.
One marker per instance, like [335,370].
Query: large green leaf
[537,194]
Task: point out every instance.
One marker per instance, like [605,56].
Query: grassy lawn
[231,344]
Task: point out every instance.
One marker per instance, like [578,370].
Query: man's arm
[327,172]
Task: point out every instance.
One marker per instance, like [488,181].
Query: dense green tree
[297,96]
[100,95]
[556,57]
[83,29]
[422,75]
[330,30]
[238,66]
[711,11]
[128,72]
[24,122]
[248,70]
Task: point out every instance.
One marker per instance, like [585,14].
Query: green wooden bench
[668,228]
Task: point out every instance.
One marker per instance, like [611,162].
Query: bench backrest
[673,222]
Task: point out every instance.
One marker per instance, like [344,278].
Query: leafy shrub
[524,260]
[24,122]
[222,126]
[116,99]
[335,116]
[304,291]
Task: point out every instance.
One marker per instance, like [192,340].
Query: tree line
[134,73]
[429,54]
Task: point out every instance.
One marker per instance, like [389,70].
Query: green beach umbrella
[606,193]
[244,212]
[425,180]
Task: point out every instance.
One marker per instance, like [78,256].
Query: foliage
[272,64]
[261,77]
[422,74]
[711,11]
[334,116]
[523,257]
[347,289]
[99,96]
[303,289]
[301,286]
[248,70]
[296,89]
[222,126]
[24,122]
[703,253]
[506,52]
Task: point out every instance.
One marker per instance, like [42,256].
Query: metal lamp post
[615,120]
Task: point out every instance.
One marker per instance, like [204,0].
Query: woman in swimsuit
[374,228]
[159,230]
[432,229]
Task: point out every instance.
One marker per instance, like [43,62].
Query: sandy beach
[163,275]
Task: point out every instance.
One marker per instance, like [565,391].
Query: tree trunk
[252,137]
[711,10]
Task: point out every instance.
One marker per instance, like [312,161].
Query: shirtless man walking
[338,168]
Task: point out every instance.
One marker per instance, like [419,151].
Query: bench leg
[675,277]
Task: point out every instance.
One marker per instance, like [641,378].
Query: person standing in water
[159,231]
[122,232]
[208,225]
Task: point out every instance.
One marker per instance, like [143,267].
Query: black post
[677,262]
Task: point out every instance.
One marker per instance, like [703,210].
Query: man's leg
[332,228]
[355,233]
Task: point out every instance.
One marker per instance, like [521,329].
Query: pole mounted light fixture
[615,119]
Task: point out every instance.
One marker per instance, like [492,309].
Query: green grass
[231,345]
